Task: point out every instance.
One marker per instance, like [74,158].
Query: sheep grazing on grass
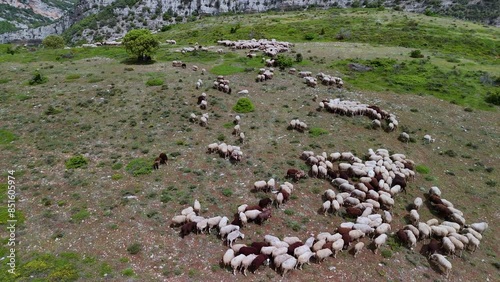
[196,207]
[479,227]
[237,119]
[236,262]
[246,262]
[231,237]
[428,139]
[304,259]
[358,247]
[323,254]
[404,137]
[442,261]
[228,256]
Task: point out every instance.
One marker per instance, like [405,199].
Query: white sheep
[227,229]
[203,121]
[428,139]
[304,259]
[458,245]
[473,242]
[448,246]
[231,237]
[358,247]
[187,211]
[223,222]
[301,250]
[479,227]
[412,239]
[387,217]
[379,241]
[267,250]
[260,185]
[417,203]
[291,240]
[202,225]
[319,245]
[196,206]
[278,260]
[236,262]
[245,263]
[442,261]
[337,246]
[434,190]
[228,256]
[414,217]
[236,247]
[322,254]
[243,92]
[203,104]
[326,206]
[279,251]
[237,119]
[288,265]
[242,137]
[424,229]
[252,214]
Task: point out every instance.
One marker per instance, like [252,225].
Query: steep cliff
[97,20]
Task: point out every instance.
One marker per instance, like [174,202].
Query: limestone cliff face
[113,18]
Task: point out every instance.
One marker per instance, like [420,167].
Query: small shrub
[53,41]
[298,57]
[139,166]
[386,253]
[309,36]
[450,153]
[155,82]
[491,183]
[37,78]
[116,176]
[77,161]
[128,272]
[72,76]
[51,110]
[244,105]
[289,212]
[134,248]
[117,166]
[80,215]
[316,131]
[493,98]
[416,54]
[422,169]
[227,192]
[283,61]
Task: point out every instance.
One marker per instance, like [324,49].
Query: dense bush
[316,131]
[422,169]
[493,98]
[53,42]
[244,105]
[283,61]
[155,82]
[77,161]
[141,43]
[37,78]
[139,166]
[134,248]
[416,54]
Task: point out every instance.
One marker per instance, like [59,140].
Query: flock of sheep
[366,191]
[269,47]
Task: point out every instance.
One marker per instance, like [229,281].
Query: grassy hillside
[83,135]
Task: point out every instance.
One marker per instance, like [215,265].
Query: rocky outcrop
[115,17]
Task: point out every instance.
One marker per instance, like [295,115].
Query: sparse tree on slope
[141,43]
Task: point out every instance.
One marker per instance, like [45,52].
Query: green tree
[141,43]
[53,41]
